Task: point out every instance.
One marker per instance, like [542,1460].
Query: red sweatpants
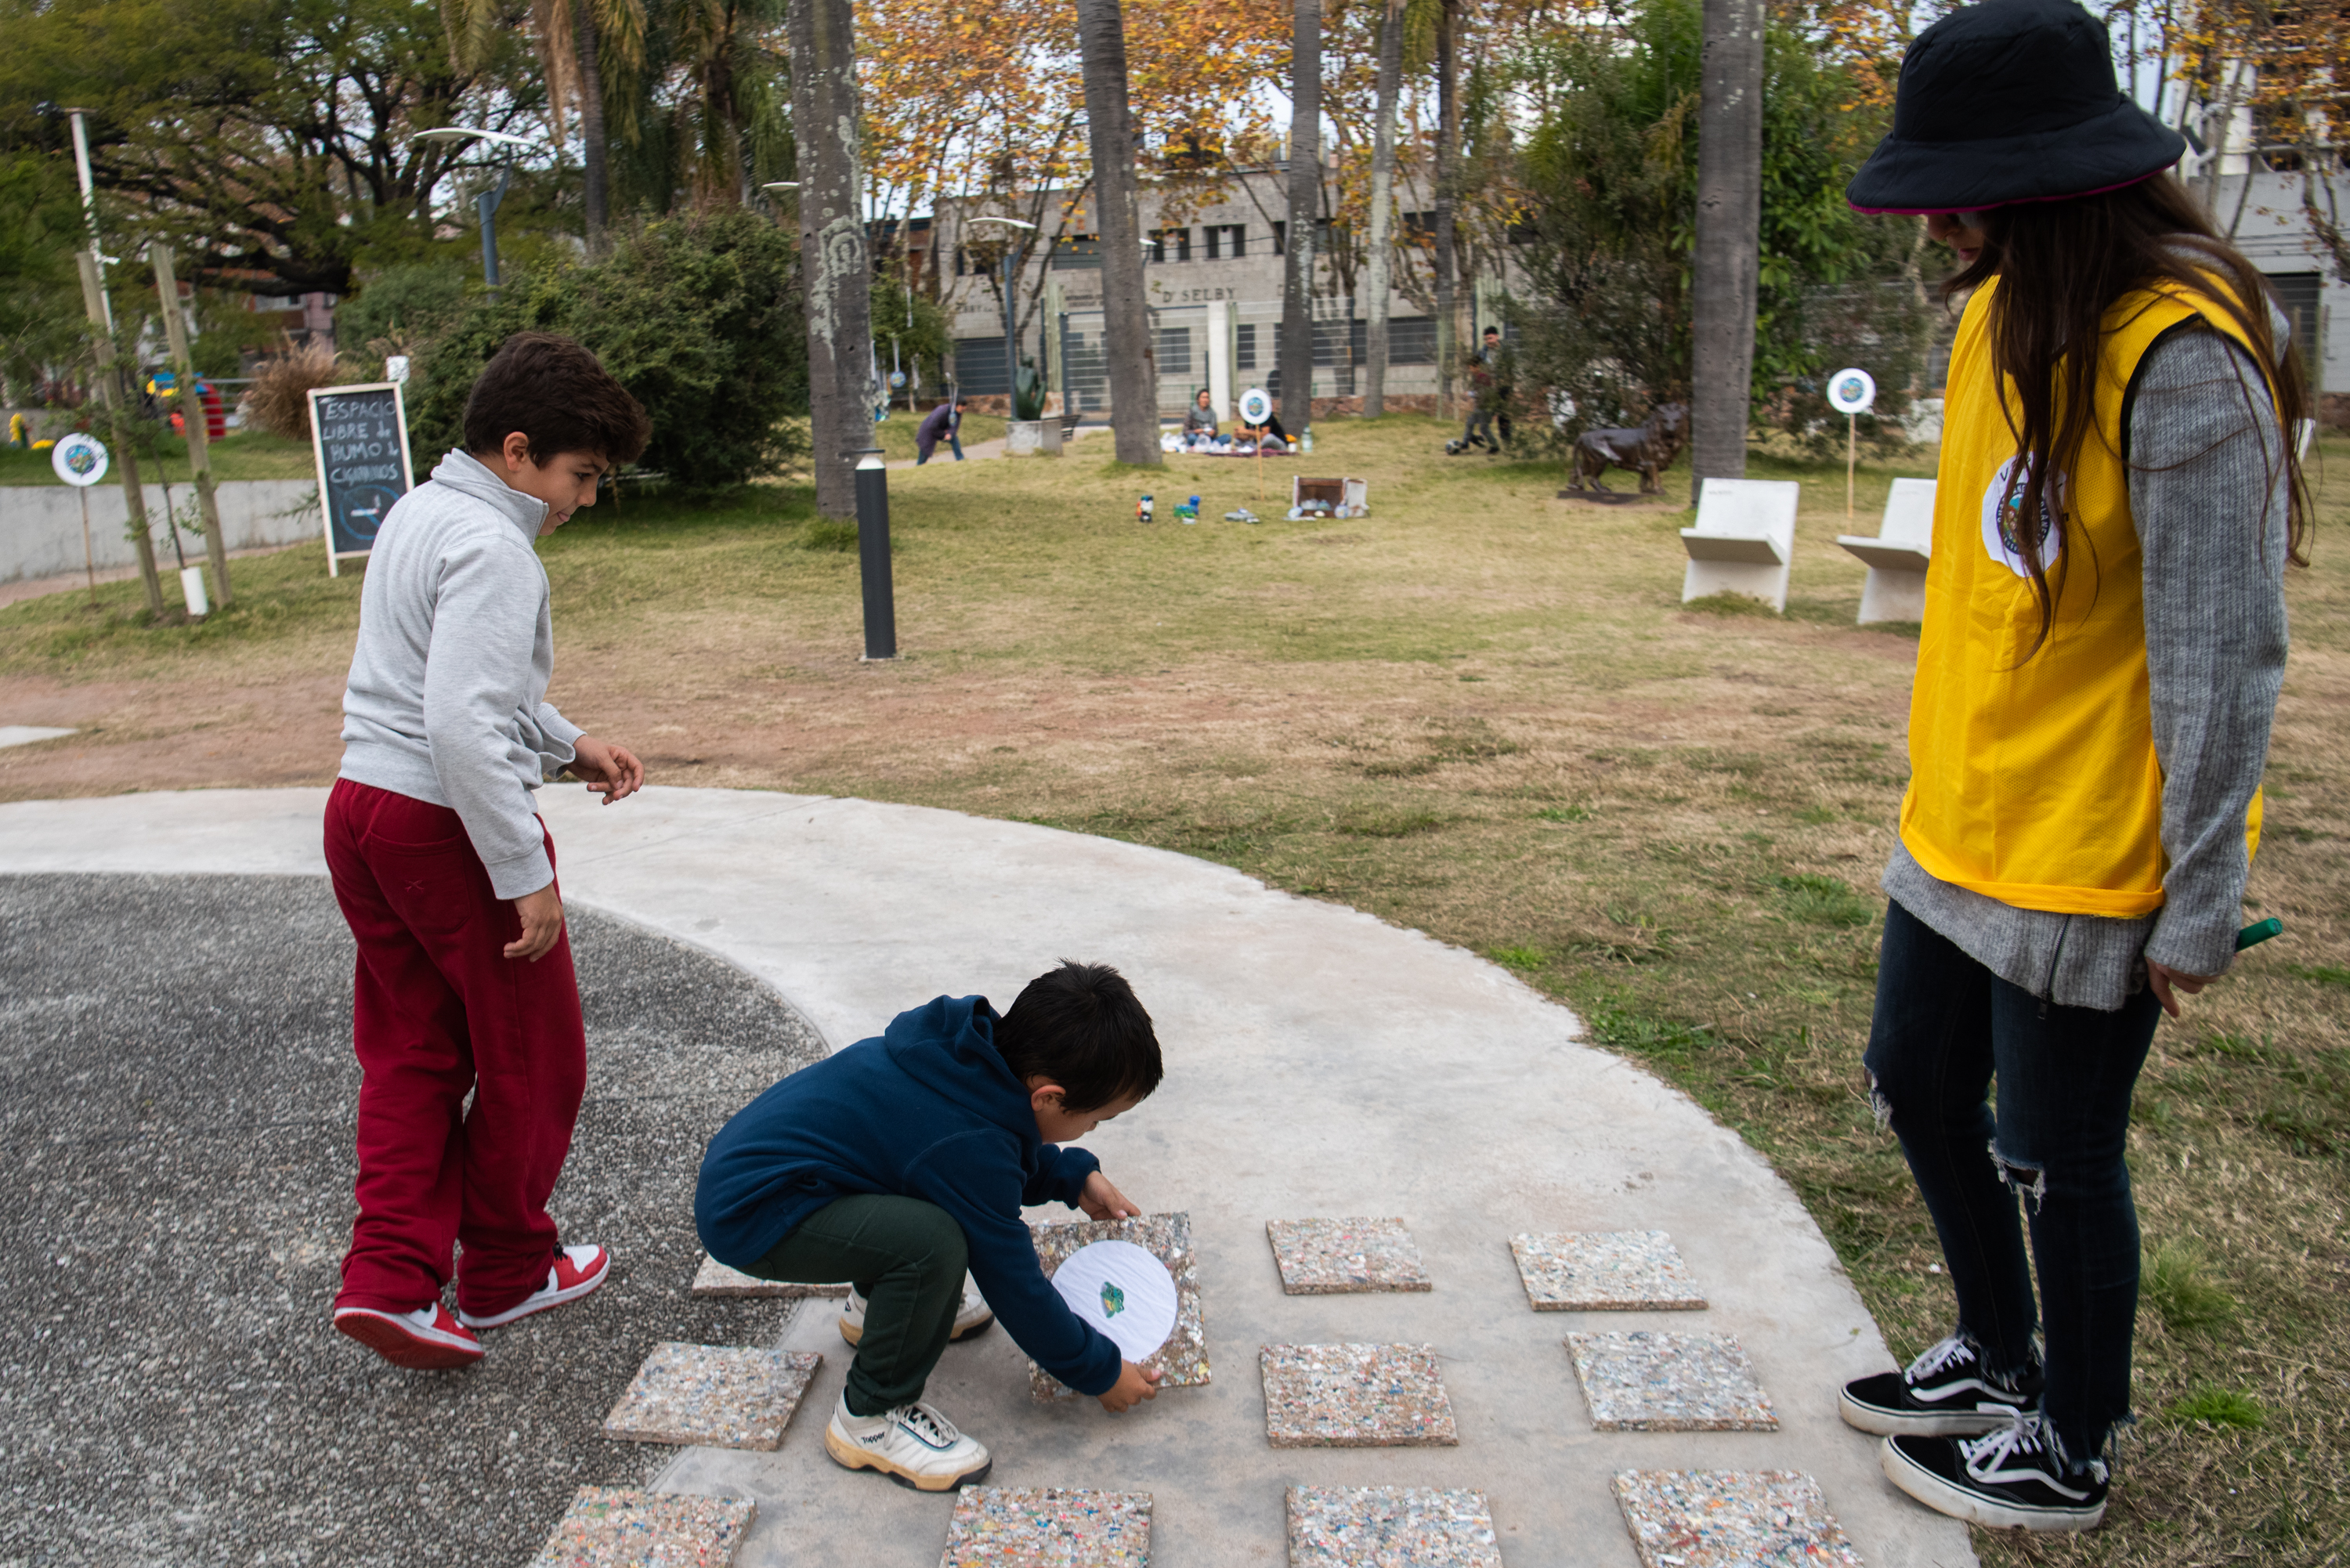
[438,1010]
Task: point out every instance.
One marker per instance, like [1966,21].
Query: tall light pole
[89,205]
[487,202]
[1009,266]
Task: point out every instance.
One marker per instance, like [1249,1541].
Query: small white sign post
[1853,393]
[80,460]
[1256,407]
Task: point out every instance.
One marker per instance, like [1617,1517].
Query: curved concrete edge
[1320,1062]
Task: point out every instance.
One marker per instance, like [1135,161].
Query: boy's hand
[1100,1201]
[542,922]
[1133,1386]
[613,772]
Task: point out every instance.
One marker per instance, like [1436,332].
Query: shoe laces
[927,1425]
[2028,1439]
[1948,1353]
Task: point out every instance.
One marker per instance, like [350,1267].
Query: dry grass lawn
[1482,712]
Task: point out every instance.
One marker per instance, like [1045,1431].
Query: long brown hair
[2061,266]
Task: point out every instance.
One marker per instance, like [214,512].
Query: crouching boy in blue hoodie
[901,1162]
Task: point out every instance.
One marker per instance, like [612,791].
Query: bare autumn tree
[1383,163]
[1126,319]
[1725,267]
[1448,155]
[1305,205]
[832,245]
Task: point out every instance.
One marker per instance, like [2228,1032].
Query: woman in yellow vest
[2105,636]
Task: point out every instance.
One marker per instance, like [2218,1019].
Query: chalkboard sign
[360,435]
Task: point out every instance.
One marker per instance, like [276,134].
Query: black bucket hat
[2010,100]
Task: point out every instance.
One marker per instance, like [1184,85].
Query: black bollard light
[873,553]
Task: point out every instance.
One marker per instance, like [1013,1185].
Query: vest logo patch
[2002,520]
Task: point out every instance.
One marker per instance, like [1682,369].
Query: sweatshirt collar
[467,474]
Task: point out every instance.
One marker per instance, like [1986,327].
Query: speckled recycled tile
[1606,1270]
[715,1278]
[1019,1527]
[721,1395]
[1335,1257]
[1730,1519]
[1390,1527]
[1166,1237]
[612,1527]
[1647,1381]
[1355,1397]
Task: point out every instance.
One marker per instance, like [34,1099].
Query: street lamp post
[873,553]
[487,202]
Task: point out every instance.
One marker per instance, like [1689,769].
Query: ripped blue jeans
[1945,1028]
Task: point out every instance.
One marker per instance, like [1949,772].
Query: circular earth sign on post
[79,460]
[1256,406]
[1852,391]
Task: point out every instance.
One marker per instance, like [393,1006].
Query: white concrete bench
[1744,541]
[1896,587]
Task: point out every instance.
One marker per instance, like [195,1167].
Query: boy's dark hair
[1080,1026]
[554,391]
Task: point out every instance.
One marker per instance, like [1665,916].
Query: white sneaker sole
[540,1300]
[854,1333]
[1958,1503]
[1883,1423]
[848,1456]
[403,1344]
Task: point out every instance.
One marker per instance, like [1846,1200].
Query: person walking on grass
[2104,640]
[463,982]
[943,423]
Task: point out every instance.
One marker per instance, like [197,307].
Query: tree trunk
[1448,147]
[1125,318]
[832,247]
[1375,282]
[1729,237]
[1304,203]
[118,431]
[594,197]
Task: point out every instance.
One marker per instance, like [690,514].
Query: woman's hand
[613,772]
[1100,1201]
[2163,979]
[1133,1386]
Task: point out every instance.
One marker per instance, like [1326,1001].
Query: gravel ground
[176,1085]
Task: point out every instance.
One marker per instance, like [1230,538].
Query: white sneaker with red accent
[576,1272]
[425,1340]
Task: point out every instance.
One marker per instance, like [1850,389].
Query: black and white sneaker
[2015,1478]
[1945,1393]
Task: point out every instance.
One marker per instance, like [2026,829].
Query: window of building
[1280,238]
[979,367]
[1076,253]
[1171,242]
[1227,239]
[1411,340]
[1244,350]
[1174,350]
[1419,225]
[2301,294]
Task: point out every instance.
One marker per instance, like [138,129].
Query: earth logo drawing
[1113,1300]
[81,460]
[2002,520]
[1123,1292]
[1851,389]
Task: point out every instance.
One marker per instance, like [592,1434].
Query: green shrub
[1518,958]
[2172,1282]
[2221,1407]
[1822,901]
[700,318]
[828,533]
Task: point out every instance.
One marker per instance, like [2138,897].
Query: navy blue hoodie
[928,1110]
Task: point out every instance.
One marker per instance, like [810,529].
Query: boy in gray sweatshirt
[446,874]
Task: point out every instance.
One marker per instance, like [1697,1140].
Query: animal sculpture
[1647,451]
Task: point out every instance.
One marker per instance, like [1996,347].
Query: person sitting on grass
[1200,421]
[904,1160]
[447,875]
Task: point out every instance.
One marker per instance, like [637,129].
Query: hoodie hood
[951,1040]
[461,471]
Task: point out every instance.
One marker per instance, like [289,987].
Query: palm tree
[1125,321]
[1724,265]
[1305,205]
[1383,162]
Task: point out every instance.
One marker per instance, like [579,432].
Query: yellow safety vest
[2034,781]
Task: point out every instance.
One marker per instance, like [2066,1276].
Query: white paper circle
[1256,406]
[1123,1290]
[79,460]
[2002,521]
[1852,391]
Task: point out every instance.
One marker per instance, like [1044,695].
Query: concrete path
[1320,1064]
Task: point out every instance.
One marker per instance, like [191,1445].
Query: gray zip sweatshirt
[447,697]
[2208,495]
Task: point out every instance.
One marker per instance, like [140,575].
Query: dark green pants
[906,1259]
